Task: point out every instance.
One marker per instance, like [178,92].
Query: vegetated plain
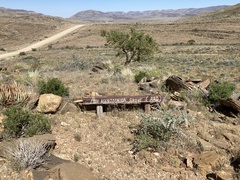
[106,143]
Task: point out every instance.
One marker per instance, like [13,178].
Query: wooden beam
[108,100]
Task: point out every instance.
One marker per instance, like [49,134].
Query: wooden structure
[100,101]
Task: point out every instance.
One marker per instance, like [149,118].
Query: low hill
[20,28]
[155,15]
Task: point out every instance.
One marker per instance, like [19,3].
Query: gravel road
[42,43]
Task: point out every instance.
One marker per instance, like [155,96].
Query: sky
[67,8]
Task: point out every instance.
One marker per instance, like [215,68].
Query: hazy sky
[67,8]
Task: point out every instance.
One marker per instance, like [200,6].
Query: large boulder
[48,103]
[70,171]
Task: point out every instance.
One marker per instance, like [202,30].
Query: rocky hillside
[229,13]
[156,15]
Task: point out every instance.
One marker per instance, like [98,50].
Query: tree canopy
[133,45]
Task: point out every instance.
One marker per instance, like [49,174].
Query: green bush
[218,91]
[23,123]
[140,75]
[22,53]
[54,86]
[154,131]
[191,42]
[148,74]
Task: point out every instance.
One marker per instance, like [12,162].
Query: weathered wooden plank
[108,100]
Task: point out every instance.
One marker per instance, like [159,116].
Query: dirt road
[41,43]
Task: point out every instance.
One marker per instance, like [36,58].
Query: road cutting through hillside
[41,43]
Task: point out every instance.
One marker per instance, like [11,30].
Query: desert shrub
[191,42]
[22,123]
[22,53]
[34,49]
[50,46]
[218,91]
[54,86]
[28,153]
[75,157]
[148,74]
[77,137]
[154,131]
[140,75]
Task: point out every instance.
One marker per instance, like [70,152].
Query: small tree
[134,45]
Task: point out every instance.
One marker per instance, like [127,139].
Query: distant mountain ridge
[16,11]
[152,15]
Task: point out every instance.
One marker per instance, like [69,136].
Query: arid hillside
[231,13]
[20,28]
[204,141]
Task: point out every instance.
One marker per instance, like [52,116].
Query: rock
[155,83]
[220,143]
[33,98]
[206,146]
[99,67]
[70,171]
[176,96]
[207,161]
[49,103]
[230,103]
[220,175]
[189,162]
[143,80]
[144,86]
[2,117]
[176,83]
[204,84]
[27,174]
[194,80]
[233,139]
[67,107]
[177,104]
[64,124]
[91,94]
[224,175]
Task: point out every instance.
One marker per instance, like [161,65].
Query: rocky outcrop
[176,83]
[230,103]
[207,161]
[70,171]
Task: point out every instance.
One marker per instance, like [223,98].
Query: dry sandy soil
[106,143]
